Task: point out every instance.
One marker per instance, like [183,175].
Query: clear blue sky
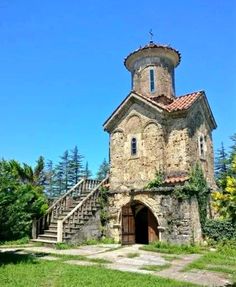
[62,73]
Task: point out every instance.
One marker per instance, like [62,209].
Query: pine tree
[50,180]
[39,172]
[103,170]
[75,166]
[233,147]
[87,173]
[221,163]
[62,174]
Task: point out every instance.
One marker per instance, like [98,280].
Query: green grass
[170,258]
[132,255]
[155,267]
[164,247]
[222,260]
[63,246]
[64,257]
[12,243]
[28,271]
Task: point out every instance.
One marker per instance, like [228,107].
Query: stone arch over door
[139,224]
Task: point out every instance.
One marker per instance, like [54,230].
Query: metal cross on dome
[151,35]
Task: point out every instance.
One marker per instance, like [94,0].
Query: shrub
[219,230]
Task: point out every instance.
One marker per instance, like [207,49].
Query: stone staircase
[67,216]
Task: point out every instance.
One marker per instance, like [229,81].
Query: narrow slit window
[152,81]
[201,146]
[133,146]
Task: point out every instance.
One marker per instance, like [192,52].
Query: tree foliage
[103,170]
[224,199]
[21,198]
[87,172]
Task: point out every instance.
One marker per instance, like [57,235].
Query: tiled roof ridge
[173,106]
[184,102]
[189,94]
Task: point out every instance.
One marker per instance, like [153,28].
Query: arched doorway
[139,225]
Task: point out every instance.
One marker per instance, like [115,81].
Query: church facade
[154,131]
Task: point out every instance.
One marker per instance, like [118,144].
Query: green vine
[157,181]
[103,203]
[196,185]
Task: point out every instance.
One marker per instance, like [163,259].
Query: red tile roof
[176,179]
[183,102]
[179,104]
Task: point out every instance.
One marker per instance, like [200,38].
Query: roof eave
[107,126]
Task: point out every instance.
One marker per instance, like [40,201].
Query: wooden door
[128,225]
[152,228]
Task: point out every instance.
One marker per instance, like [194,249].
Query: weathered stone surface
[90,230]
[169,142]
[178,219]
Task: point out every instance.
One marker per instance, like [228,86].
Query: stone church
[151,131]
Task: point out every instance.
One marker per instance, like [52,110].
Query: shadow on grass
[17,256]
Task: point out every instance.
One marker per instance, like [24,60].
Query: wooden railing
[62,204]
[72,217]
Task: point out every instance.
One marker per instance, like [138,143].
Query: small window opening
[133,146]
[152,81]
[202,146]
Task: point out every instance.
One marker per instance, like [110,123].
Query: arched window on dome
[152,80]
[133,146]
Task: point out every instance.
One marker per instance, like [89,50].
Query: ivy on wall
[103,203]
[196,186]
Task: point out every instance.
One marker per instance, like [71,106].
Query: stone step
[54,232]
[49,242]
[76,224]
[50,237]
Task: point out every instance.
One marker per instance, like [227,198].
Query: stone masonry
[154,131]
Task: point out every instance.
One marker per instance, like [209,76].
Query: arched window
[152,81]
[133,146]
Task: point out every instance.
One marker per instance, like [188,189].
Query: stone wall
[197,126]
[90,230]
[135,171]
[163,76]
[169,143]
[178,220]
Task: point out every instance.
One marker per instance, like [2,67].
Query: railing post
[59,230]
[34,228]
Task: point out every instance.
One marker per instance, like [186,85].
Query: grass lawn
[18,270]
[223,260]
[167,248]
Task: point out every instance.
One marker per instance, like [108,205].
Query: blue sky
[62,72]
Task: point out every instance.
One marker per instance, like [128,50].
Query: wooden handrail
[84,200]
[64,195]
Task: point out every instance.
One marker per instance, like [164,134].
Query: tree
[62,174]
[76,166]
[50,180]
[225,197]
[87,173]
[221,163]
[103,170]
[21,199]
[39,176]
[225,200]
